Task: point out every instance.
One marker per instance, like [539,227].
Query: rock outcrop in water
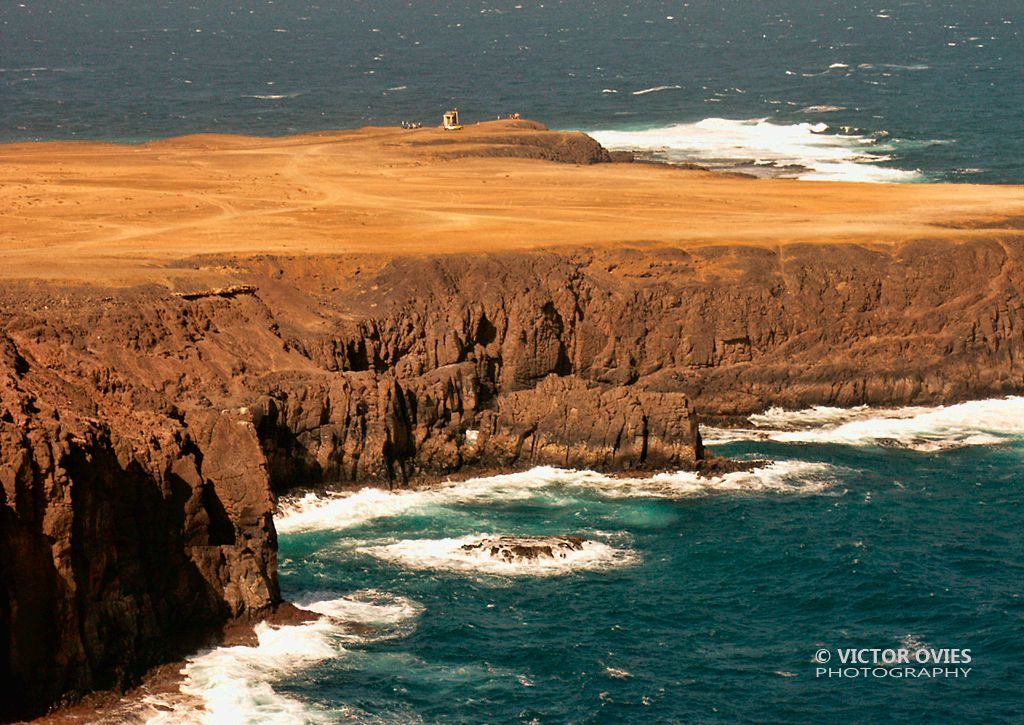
[144,434]
[525,549]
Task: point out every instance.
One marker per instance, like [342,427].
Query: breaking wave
[656,89]
[809,151]
[779,477]
[313,511]
[485,554]
[236,684]
[335,511]
[273,96]
[977,423]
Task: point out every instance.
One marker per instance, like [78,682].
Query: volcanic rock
[518,549]
[163,379]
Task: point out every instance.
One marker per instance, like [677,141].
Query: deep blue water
[703,601]
[902,539]
[934,86]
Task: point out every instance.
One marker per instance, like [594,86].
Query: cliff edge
[154,402]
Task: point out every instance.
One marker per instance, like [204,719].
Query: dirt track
[125,214]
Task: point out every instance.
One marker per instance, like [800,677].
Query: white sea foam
[337,511]
[345,510]
[818,416]
[388,614]
[656,89]
[977,423]
[779,477]
[914,67]
[35,69]
[808,151]
[460,555]
[340,511]
[272,96]
[235,684]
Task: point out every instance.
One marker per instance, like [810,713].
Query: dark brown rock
[513,549]
[523,142]
[144,436]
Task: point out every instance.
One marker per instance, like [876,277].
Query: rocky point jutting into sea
[417,316]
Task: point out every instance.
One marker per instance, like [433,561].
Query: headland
[191,327]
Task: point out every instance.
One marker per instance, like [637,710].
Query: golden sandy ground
[118,214]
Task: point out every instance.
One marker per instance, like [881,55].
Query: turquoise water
[700,601]
[931,88]
[694,600]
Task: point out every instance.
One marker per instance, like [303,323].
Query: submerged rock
[518,549]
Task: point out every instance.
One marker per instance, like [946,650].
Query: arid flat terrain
[125,214]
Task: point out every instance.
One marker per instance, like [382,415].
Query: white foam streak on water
[393,615]
[335,511]
[656,89]
[977,423]
[448,555]
[235,684]
[344,510]
[273,96]
[780,477]
[813,153]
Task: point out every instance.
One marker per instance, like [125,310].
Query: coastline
[158,690]
[196,329]
[127,215]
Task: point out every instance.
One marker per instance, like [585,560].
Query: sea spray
[236,684]
[473,554]
[809,151]
[976,423]
[335,511]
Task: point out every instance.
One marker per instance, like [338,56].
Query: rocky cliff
[577,314]
[144,434]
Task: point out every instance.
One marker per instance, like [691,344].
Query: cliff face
[144,435]
[126,534]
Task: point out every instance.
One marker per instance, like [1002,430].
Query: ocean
[889,91]
[680,599]
[691,600]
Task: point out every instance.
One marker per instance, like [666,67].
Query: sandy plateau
[192,327]
[124,214]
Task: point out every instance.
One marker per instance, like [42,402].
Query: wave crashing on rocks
[503,555]
[525,549]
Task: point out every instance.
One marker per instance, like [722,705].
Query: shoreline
[191,328]
[159,688]
[617,155]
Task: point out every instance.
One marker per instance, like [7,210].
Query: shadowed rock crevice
[221,530]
